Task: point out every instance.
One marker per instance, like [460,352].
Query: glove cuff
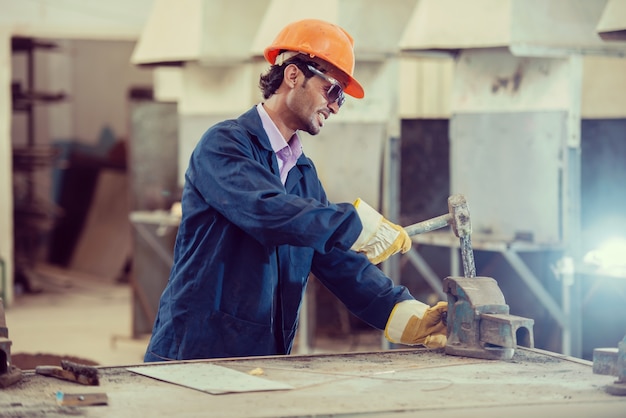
[401,316]
[370,219]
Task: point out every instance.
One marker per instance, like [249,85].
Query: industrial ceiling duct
[612,25]
[375,26]
[450,25]
[526,27]
[206,31]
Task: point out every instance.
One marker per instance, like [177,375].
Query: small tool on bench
[84,399]
[478,320]
[612,362]
[74,372]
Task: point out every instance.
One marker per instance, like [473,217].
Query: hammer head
[460,217]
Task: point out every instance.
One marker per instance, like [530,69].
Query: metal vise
[478,321]
[9,374]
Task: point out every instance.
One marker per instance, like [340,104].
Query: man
[256,221]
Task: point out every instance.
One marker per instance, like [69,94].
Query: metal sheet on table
[209,378]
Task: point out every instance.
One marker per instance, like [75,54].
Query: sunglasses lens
[335,94]
[341,100]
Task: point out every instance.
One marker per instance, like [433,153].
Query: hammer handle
[429,225]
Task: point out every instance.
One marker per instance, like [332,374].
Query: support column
[6,172]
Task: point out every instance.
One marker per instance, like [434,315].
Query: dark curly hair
[271,80]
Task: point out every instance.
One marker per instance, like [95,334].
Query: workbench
[395,383]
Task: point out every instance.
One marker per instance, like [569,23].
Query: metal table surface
[395,383]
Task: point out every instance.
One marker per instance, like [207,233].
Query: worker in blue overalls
[256,221]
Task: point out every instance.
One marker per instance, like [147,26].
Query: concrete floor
[83,317]
[78,316]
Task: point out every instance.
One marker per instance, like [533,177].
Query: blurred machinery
[34,211]
[153,177]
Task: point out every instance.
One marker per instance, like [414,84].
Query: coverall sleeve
[361,286]
[233,175]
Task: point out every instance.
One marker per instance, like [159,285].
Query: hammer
[459,219]
[74,372]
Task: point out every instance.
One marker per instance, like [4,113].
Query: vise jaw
[479,323]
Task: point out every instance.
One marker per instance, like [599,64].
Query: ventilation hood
[526,27]
[207,31]
[226,31]
[612,25]
[375,25]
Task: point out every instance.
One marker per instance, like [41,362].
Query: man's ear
[290,75]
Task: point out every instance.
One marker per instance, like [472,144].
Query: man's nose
[334,107]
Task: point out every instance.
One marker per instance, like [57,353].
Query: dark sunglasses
[334,92]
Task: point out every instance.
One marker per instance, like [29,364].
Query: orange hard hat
[321,39]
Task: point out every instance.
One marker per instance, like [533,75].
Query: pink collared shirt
[287,153]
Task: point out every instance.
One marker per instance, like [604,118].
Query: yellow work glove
[379,239]
[412,322]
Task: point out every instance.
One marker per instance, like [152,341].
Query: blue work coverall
[245,247]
